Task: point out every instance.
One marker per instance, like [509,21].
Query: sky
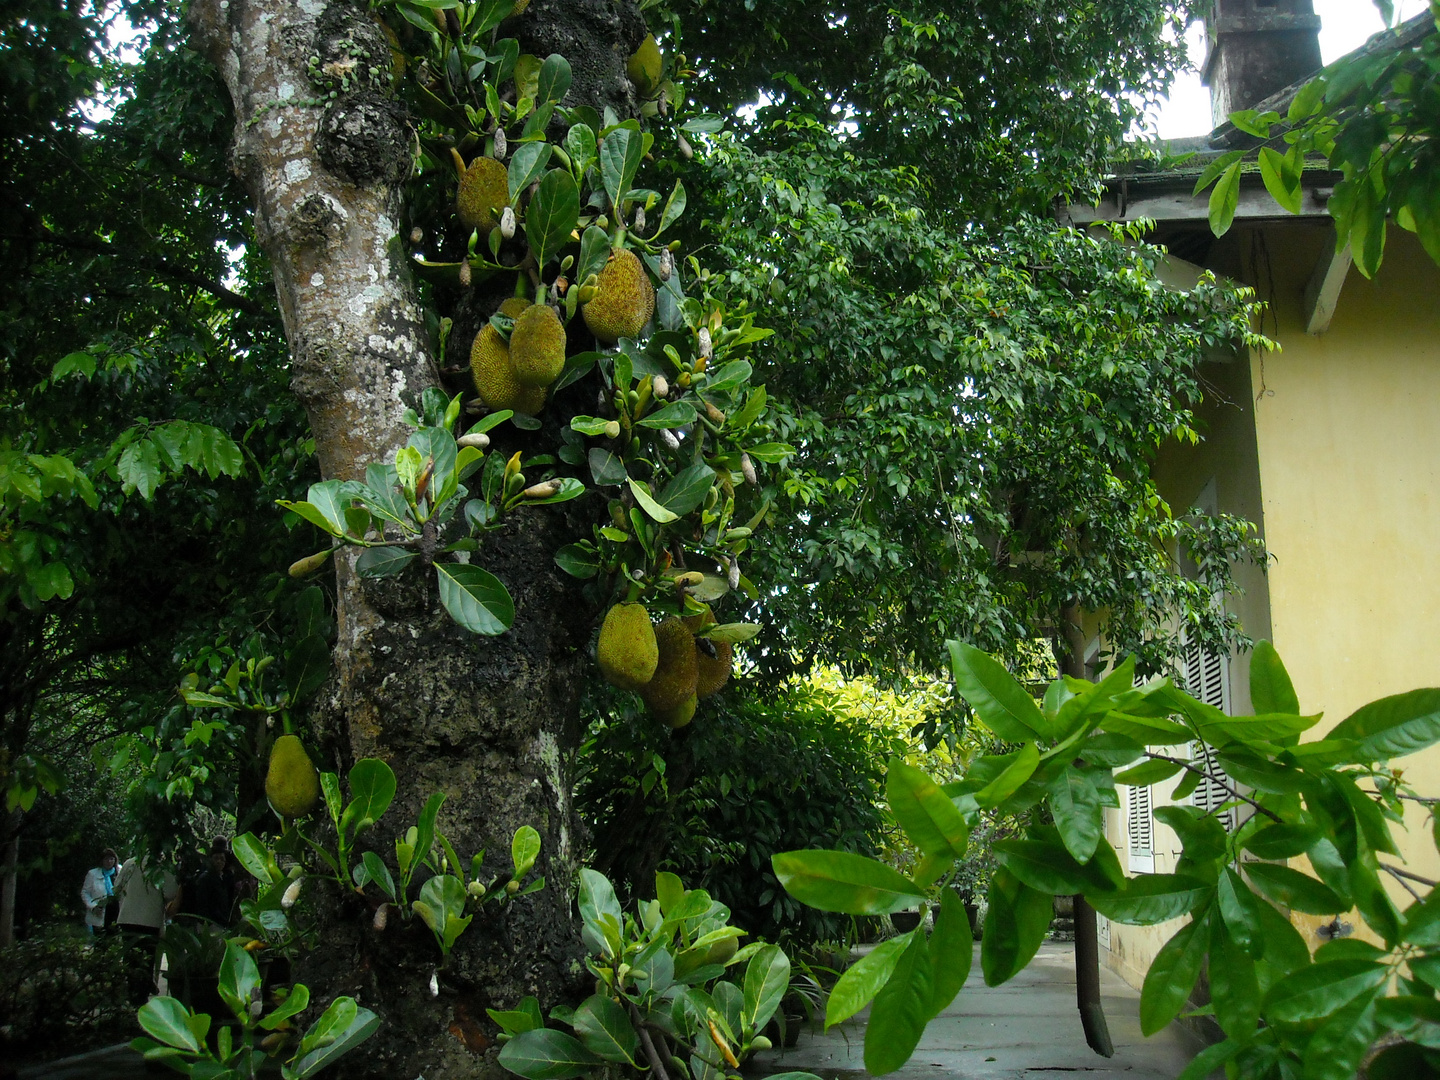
[1345,25]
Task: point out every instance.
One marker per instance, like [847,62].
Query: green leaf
[383,562]
[524,849]
[1076,806]
[238,977]
[1240,912]
[1148,772]
[379,873]
[901,1011]
[1146,730]
[1148,899]
[139,468]
[341,1028]
[524,1017]
[845,883]
[552,215]
[1393,726]
[1233,986]
[647,502]
[307,667]
[605,1030]
[687,490]
[675,414]
[1313,993]
[1336,1050]
[674,207]
[475,598]
[570,488]
[1298,891]
[1172,975]
[927,815]
[1210,1059]
[255,858]
[167,1020]
[82,362]
[1012,777]
[862,980]
[597,902]
[1215,168]
[767,977]
[1049,867]
[1002,704]
[952,951]
[1015,926]
[1414,1018]
[1224,199]
[1201,835]
[295,1003]
[1271,690]
[1281,841]
[620,153]
[771,453]
[526,165]
[554,79]
[1283,183]
[594,252]
[372,789]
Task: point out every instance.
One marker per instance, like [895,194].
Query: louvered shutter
[1207,680]
[1140,826]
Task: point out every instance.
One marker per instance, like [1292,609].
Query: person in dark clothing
[215,885]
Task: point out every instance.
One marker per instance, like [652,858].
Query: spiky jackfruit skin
[537,346]
[712,672]
[627,651]
[484,192]
[495,375]
[291,782]
[676,673]
[624,299]
[514,306]
[681,715]
[645,65]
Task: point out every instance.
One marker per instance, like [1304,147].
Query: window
[1141,826]
[1207,678]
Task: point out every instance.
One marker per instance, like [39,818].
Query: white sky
[1345,25]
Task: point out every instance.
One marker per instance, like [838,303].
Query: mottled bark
[489,721]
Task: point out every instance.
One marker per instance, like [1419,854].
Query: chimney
[1257,47]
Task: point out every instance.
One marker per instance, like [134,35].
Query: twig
[1216,780]
[645,1042]
[1423,800]
[1407,874]
[1403,883]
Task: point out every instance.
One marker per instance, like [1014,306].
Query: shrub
[65,988]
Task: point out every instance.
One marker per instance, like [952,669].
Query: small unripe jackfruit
[681,715]
[645,65]
[627,651]
[291,782]
[484,193]
[624,299]
[495,375]
[537,346]
[676,672]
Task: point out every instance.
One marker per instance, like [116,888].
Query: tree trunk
[1087,944]
[9,874]
[489,721]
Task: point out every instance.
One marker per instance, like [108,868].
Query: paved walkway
[1027,1028]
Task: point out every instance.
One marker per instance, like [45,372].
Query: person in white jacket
[98,892]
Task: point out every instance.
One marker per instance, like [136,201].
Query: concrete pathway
[1027,1028]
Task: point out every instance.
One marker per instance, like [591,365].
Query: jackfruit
[514,306]
[627,652]
[624,299]
[676,672]
[495,376]
[291,782]
[712,672]
[520,5]
[537,346]
[484,192]
[646,66]
[681,715]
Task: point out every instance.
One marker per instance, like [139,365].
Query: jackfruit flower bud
[476,890]
[706,348]
[382,916]
[308,565]
[734,576]
[465,274]
[512,887]
[434,984]
[612,429]
[257,1010]
[638,575]
[685,150]
[507,222]
[748,468]
[660,386]
[273,1041]
[690,578]
[639,219]
[667,265]
[479,440]
[669,438]
[499,144]
[717,416]
[760,1042]
[291,895]
[542,490]
[417,234]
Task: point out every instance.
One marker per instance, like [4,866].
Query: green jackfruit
[627,651]
[676,672]
[624,299]
[537,346]
[514,306]
[495,375]
[712,672]
[646,66]
[484,192]
[681,715]
[291,782]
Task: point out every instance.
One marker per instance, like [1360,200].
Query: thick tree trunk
[489,721]
[1087,943]
[9,874]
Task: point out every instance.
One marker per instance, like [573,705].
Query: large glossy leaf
[1200,834]
[1240,912]
[597,903]
[862,980]
[1336,1050]
[1298,891]
[1412,1017]
[648,503]
[1313,993]
[167,1020]
[901,1011]
[845,883]
[1271,690]
[524,849]
[547,1054]
[475,598]
[952,952]
[1015,925]
[552,215]
[1049,868]
[1172,975]
[1001,703]
[372,788]
[688,489]
[927,815]
[307,667]
[1022,766]
[1282,841]
[605,1030]
[1205,1063]
[1285,948]
[1076,806]
[1148,899]
[1146,730]
[340,1028]
[1393,726]
[1233,986]
[620,153]
[767,977]
[238,977]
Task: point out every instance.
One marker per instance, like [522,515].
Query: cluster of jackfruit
[484,194]
[667,664]
[292,783]
[624,299]
[515,374]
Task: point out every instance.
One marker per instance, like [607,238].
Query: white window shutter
[1207,679]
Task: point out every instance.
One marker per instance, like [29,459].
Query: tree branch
[1403,883]
[1189,767]
[650,1052]
[1399,873]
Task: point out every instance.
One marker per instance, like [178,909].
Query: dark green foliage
[65,988]
[768,775]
